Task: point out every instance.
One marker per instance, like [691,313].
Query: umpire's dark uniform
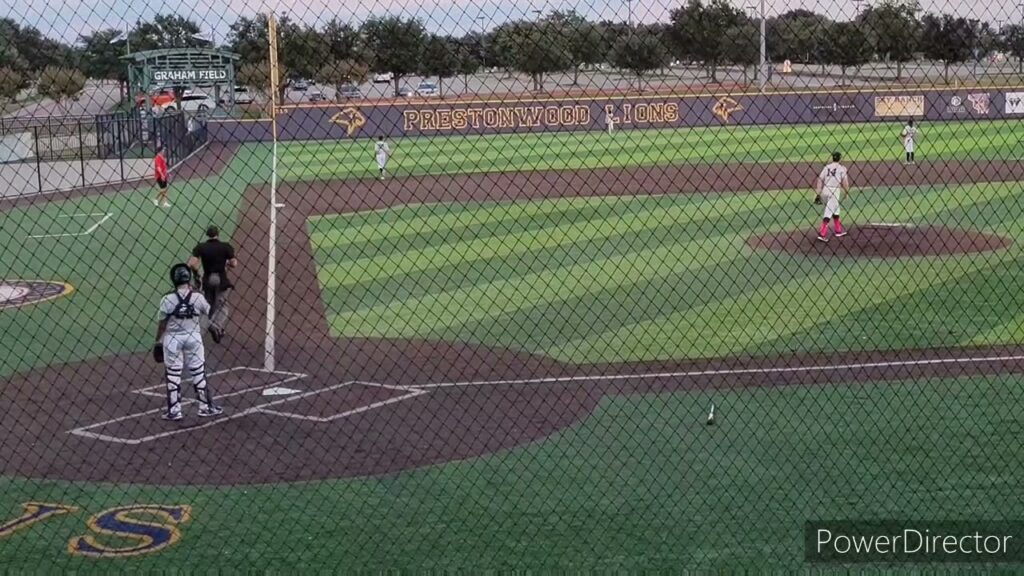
[216,257]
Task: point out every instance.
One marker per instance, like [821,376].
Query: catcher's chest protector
[185,309]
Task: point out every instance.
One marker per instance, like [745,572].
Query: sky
[67,19]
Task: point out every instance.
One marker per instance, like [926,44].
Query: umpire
[215,257]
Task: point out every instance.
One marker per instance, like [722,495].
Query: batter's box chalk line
[103,217]
[273,408]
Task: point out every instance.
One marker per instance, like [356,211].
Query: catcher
[179,334]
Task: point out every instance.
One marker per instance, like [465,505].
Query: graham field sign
[194,75]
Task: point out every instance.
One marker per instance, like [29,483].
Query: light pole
[762,70]
[629,13]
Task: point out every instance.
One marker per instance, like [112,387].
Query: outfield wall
[513,116]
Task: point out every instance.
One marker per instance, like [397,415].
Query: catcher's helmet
[181,274]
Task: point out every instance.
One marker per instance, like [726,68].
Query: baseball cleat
[822,239]
[171,417]
[208,411]
[840,234]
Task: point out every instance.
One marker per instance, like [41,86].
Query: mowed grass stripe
[506,245]
[611,308]
[469,154]
[944,313]
[428,315]
[435,281]
[742,323]
[438,224]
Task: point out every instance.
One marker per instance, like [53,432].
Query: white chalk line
[83,215]
[412,393]
[724,372]
[265,408]
[891,224]
[88,231]
[148,391]
[158,389]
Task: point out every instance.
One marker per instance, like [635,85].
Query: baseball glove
[158,353]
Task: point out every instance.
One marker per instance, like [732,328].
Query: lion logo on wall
[726,107]
[350,118]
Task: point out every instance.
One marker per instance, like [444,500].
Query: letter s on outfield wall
[124,522]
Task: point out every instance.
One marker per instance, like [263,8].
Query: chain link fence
[535,287]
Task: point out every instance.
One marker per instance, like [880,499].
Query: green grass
[119,271]
[621,279]
[344,159]
[642,483]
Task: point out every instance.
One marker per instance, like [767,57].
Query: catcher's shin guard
[173,391]
[203,394]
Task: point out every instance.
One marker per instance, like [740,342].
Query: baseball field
[504,355]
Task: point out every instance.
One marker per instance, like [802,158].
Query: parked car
[405,92]
[349,91]
[427,89]
[384,78]
[242,96]
[300,85]
[193,102]
[315,95]
[159,99]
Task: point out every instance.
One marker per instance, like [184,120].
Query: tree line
[707,33]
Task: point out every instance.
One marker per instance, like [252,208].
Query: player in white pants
[180,332]
[833,183]
[909,138]
[383,152]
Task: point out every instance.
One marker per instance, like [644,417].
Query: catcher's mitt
[158,353]
[817,199]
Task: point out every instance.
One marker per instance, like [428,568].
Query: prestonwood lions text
[911,543]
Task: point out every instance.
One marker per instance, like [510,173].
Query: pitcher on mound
[832,185]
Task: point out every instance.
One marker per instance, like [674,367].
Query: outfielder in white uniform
[833,183]
[382,151]
[909,138]
[180,332]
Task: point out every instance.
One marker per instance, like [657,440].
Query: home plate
[280,391]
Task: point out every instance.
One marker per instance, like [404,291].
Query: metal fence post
[120,148]
[39,167]
[81,152]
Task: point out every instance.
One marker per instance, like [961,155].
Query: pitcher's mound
[883,240]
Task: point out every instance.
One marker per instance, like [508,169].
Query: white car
[384,78]
[192,102]
[242,96]
[427,89]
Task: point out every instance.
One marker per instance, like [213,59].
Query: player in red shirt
[160,171]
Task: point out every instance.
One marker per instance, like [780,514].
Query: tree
[249,39]
[342,41]
[1013,41]
[60,84]
[26,50]
[641,53]
[847,46]
[301,48]
[257,77]
[165,31]
[338,72]
[893,31]
[441,59]
[741,47]
[948,39]
[535,48]
[698,31]
[798,36]
[395,46]
[470,52]
[583,40]
[12,83]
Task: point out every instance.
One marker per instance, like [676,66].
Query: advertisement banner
[894,105]
[1014,103]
